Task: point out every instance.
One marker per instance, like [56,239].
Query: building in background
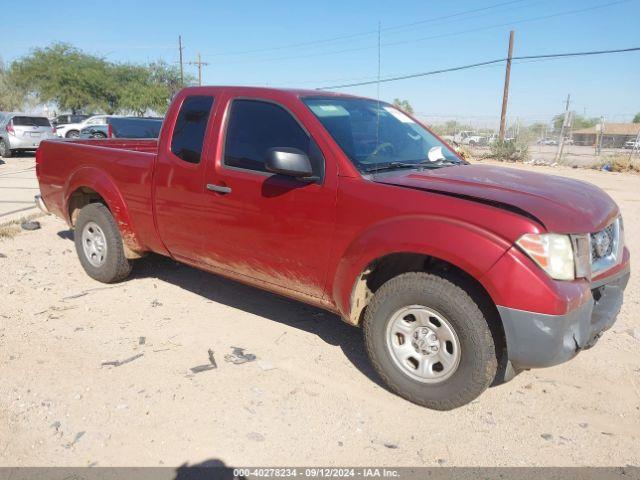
[614,135]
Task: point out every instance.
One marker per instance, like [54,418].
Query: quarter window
[255,127]
[191,125]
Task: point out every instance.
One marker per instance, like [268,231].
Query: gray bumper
[537,340]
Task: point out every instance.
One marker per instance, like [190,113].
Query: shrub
[509,151]
[464,152]
[618,163]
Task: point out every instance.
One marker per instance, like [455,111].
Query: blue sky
[254,43]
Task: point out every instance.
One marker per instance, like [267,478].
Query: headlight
[552,252]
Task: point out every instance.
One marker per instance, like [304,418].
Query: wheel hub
[423,344]
[94,244]
[425,341]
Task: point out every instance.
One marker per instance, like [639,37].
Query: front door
[269,227]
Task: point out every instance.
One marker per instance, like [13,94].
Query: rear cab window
[25,121]
[136,127]
[256,126]
[188,133]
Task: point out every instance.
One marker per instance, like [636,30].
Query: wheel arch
[412,243]
[90,185]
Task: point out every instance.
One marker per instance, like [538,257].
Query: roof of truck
[298,92]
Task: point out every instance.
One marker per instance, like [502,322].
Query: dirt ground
[18,185]
[310,398]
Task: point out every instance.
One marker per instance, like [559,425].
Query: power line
[363,33]
[443,35]
[479,64]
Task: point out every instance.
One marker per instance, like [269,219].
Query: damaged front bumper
[537,340]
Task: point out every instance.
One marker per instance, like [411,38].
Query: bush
[618,163]
[464,152]
[509,151]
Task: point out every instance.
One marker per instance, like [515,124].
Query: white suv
[72,130]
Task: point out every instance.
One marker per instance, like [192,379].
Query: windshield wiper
[426,163]
[438,163]
[390,166]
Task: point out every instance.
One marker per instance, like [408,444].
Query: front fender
[469,247]
[102,183]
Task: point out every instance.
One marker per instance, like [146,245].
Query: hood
[561,204]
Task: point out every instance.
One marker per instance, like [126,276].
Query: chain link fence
[609,145]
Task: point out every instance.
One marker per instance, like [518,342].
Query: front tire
[429,341]
[99,245]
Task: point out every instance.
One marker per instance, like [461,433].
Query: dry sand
[309,399]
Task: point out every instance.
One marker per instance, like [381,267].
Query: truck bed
[64,166]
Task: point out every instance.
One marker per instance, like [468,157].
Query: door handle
[218,188]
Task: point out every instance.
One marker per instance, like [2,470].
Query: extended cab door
[180,197]
[269,227]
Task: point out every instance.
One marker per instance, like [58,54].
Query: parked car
[22,132]
[124,127]
[72,130]
[469,138]
[547,141]
[631,144]
[66,119]
[461,275]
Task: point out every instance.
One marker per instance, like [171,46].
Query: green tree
[75,81]
[579,122]
[636,119]
[403,105]
[534,131]
[143,88]
[11,97]
[63,74]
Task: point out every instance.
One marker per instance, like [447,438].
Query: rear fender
[469,247]
[105,186]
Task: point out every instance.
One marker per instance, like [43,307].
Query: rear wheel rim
[94,244]
[73,135]
[423,344]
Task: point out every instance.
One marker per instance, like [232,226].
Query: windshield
[375,135]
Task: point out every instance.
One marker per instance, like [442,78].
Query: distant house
[615,134]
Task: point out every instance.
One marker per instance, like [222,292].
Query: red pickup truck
[460,275]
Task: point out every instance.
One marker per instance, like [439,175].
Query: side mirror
[288,161]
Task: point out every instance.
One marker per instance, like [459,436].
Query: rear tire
[99,245]
[5,151]
[73,134]
[446,323]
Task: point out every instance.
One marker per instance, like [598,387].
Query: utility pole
[505,95]
[200,64]
[180,48]
[565,124]
[636,147]
[600,137]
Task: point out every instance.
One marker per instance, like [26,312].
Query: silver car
[22,132]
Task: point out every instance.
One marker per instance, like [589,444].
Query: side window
[191,125]
[255,127]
